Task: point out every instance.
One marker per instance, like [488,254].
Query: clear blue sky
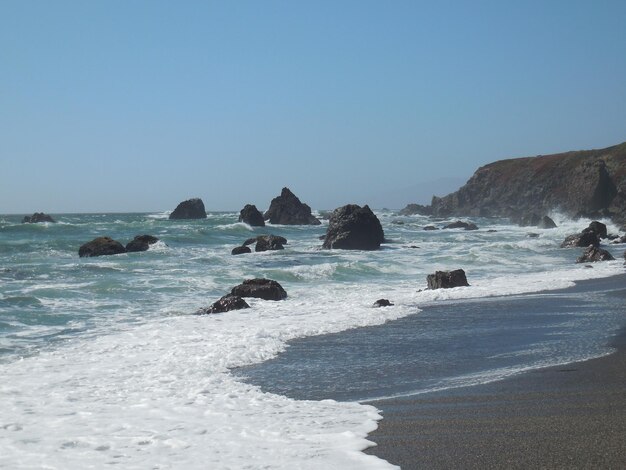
[137,105]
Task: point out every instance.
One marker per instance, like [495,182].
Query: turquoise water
[104,363]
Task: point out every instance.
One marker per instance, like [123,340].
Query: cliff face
[584,183]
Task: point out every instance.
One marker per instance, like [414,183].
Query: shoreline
[565,416]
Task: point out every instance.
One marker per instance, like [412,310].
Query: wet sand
[571,416]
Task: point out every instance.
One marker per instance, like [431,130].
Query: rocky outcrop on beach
[141,243]
[189,209]
[416,209]
[593,254]
[287,209]
[461,224]
[588,183]
[252,216]
[225,304]
[353,227]
[590,236]
[37,217]
[101,246]
[266,289]
[447,279]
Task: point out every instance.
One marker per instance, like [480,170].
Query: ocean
[102,361]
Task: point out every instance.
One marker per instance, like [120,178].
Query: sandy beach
[571,416]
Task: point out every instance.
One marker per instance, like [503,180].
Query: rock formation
[101,246]
[584,183]
[266,289]
[593,254]
[37,217]
[189,209]
[382,303]
[141,243]
[240,250]
[446,279]
[588,237]
[225,304]
[463,225]
[412,209]
[269,242]
[352,227]
[287,209]
[251,216]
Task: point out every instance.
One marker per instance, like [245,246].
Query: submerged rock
[101,246]
[463,225]
[266,289]
[38,217]
[447,279]
[382,303]
[251,216]
[287,209]
[225,304]
[141,243]
[430,227]
[269,242]
[189,209]
[352,227]
[240,250]
[593,254]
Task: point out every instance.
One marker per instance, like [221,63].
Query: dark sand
[572,416]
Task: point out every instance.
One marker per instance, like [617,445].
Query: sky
[124,106]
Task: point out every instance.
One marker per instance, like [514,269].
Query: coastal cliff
[589,183]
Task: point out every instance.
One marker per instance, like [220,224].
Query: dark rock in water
[492,231]
[287,209]
[225,304]
[275,239]
[397,222]
[251,216]
[532,235]
[582,239]
[430,227]
[240,250]
[412,209]
[620,240]
[593,254]
[382,303]
[38,217]
[546,222]
[101,246]
[189,209]
[463,225]
[598,228]
[352,227]
[529,220]
[141,243]
[266,289]
[447,279]
[269,242]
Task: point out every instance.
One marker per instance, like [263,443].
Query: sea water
[102,361]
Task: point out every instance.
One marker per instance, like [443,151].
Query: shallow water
[103,363]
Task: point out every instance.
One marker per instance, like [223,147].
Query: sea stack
[37,217]
[252,216]
[353,227]
[189,209]
[287,209]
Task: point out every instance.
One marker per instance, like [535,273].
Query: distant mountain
[589,183]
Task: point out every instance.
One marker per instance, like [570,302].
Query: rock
[225,304]
[269,242]
[577,183]
[598,228]
[430,227]
[620,240]
[582,239]
[382,303]
[101,246]
[492,231]
[287,209]
[447,279]
[352,227]
[240,250]
[251,216]
[412,209]
[532,235]
[276,239]
[546,222]
[189,209]
[266,289]
[141,243]
[463,225]
[593,254]
[38,217]
[529,220]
